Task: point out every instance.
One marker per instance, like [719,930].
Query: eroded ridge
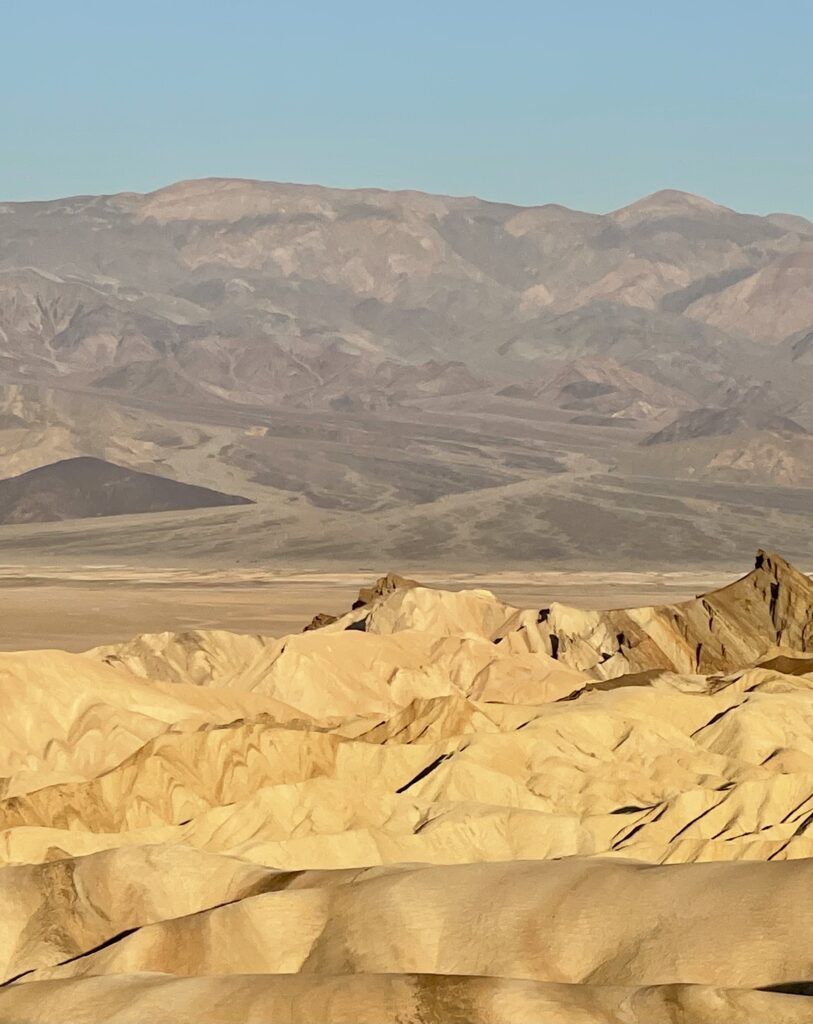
[436,807]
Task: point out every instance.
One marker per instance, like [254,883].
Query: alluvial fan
[434,809]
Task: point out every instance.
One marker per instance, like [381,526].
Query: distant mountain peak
[668,201]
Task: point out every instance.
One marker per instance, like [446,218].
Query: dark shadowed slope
[85,487]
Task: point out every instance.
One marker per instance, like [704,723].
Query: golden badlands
[435,809]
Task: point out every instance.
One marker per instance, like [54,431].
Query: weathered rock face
[461,812]
[718,632]
[788,595]
[320,620]
[383,586]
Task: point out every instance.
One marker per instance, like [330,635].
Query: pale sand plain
[73,608]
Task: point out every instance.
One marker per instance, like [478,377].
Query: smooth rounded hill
[86,487]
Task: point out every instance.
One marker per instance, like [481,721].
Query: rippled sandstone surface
[436,808]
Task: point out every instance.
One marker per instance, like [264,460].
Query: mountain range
[439,380]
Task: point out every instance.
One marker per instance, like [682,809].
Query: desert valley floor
[486,800]
[74,607]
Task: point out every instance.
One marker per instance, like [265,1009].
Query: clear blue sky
[587,103]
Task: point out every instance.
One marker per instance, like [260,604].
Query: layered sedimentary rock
[435,808]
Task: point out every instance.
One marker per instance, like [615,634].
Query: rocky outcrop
[383,586]
[716,632]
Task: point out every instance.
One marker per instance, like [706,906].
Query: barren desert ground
[77,608]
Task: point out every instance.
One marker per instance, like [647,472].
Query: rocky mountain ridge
[325,351]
